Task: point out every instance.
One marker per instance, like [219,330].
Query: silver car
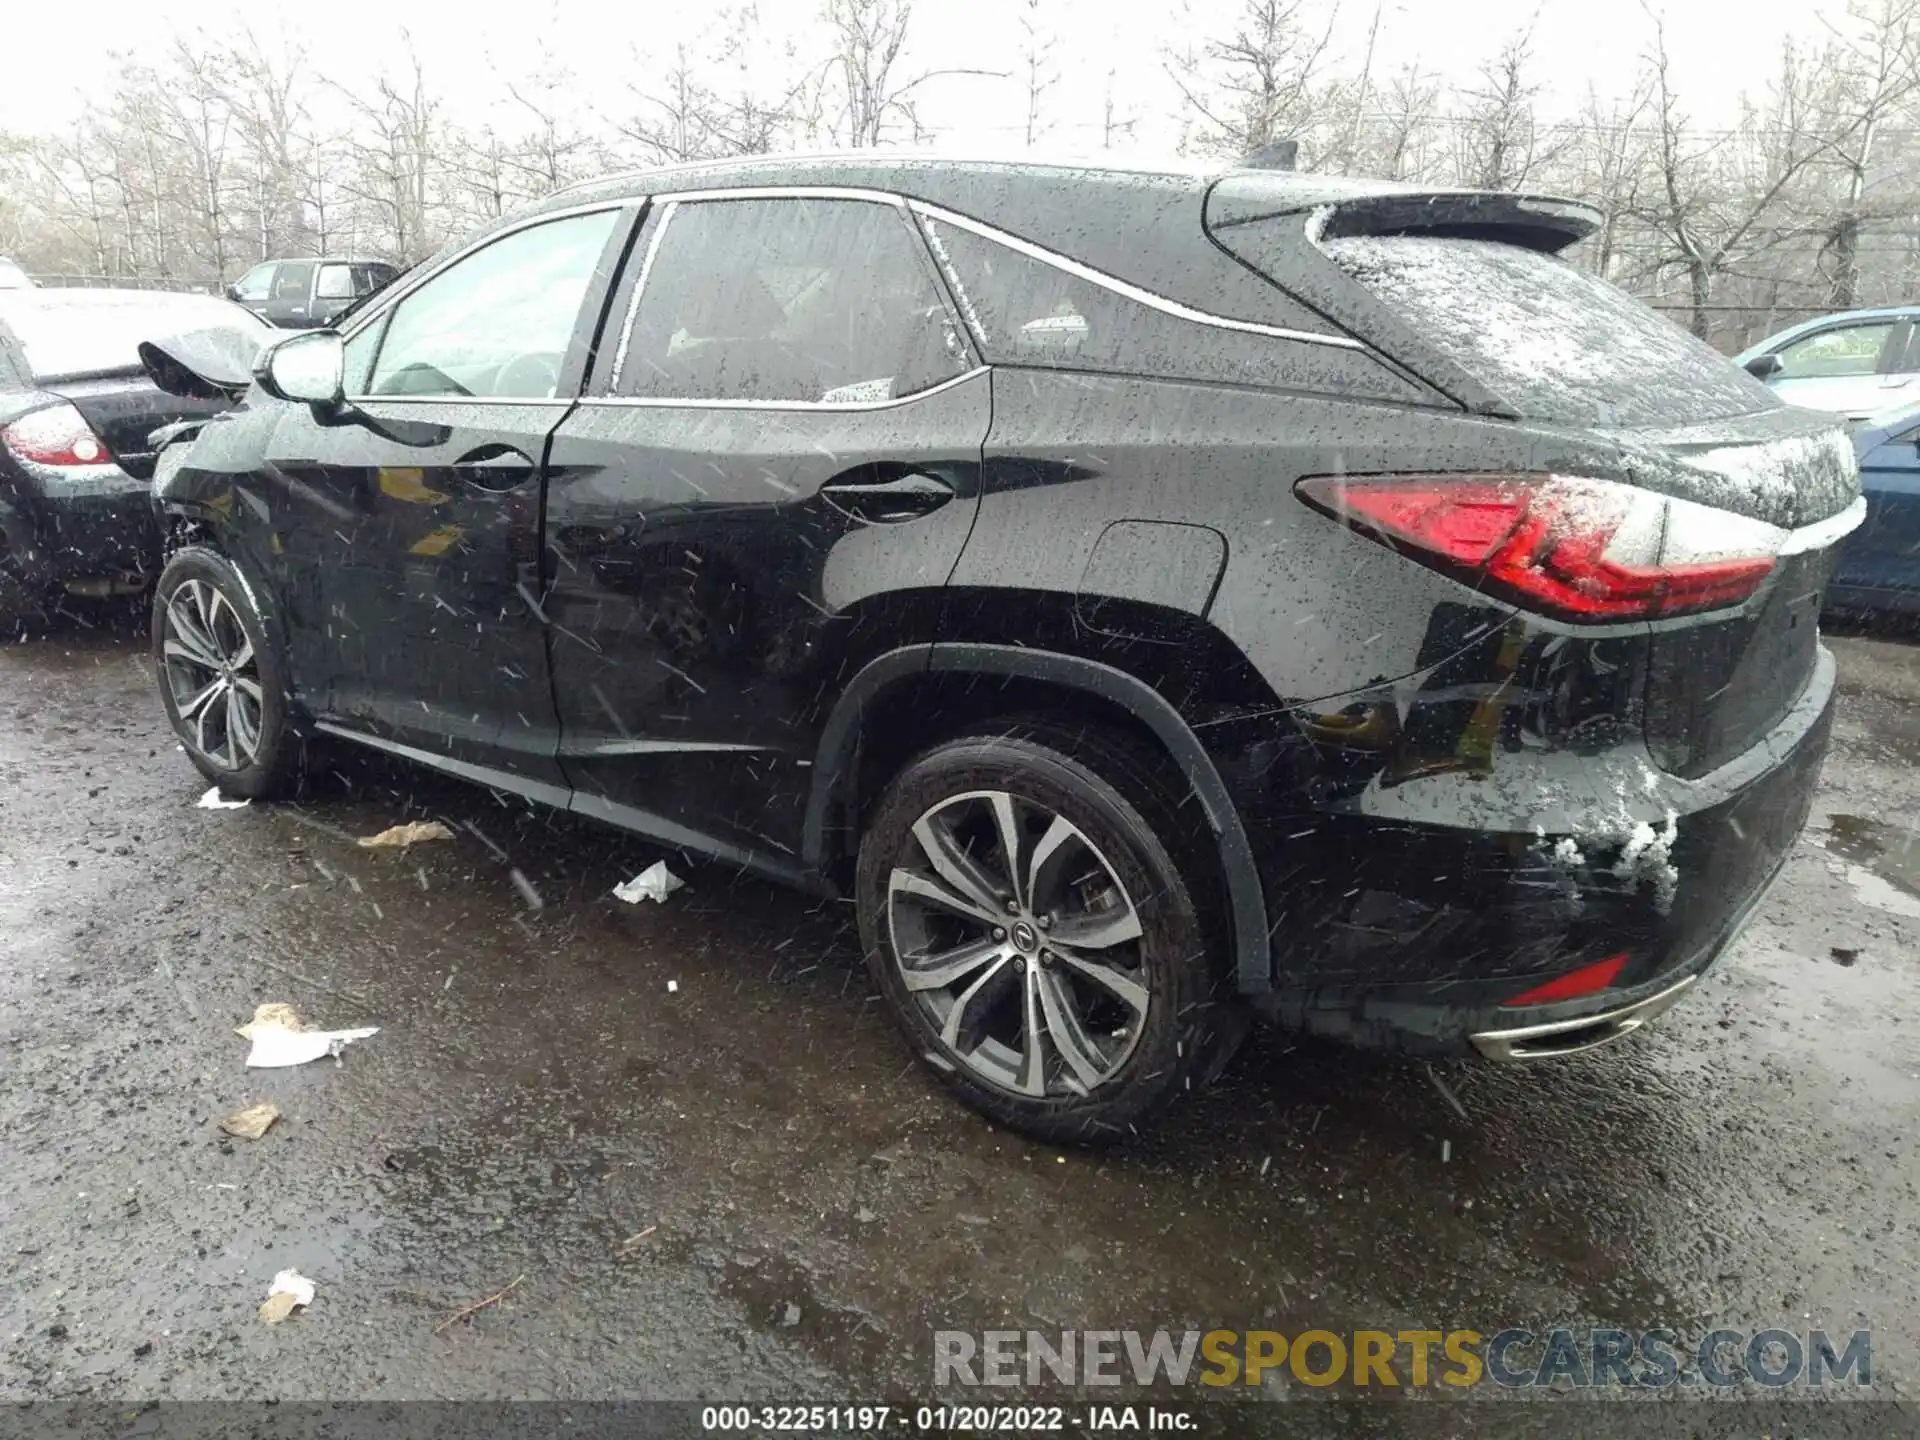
[1856,364]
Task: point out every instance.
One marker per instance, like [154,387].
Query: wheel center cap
[1025,937]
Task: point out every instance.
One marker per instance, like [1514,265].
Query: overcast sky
[1718,49]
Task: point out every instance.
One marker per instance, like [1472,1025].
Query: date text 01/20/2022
[879,1419]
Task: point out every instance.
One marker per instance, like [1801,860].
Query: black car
[77,412]
[1154,599]
[301,293]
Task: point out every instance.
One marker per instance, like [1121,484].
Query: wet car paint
[665,619]
[538,1098]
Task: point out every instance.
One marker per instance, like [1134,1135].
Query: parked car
[12,277]
[1879,571]
[77,409]
[298,294]
[1276,594]
[1856,364]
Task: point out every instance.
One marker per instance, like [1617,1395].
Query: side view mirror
[233,293]
[1764,367]
[306,367]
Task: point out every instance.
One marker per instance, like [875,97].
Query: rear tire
[1071,994]
[223,676]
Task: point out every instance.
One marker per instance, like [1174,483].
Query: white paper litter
[655,883]
[290,1289]
[279,1039]
[214,800]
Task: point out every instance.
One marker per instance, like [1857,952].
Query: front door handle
[913,494]
[495,467]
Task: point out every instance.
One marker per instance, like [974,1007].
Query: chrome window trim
[1120,287]
[659,402]
[397,292]
[391,300]
[556,401]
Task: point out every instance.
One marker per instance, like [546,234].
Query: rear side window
[788,300]
[336,283]
[1842,351]
[1029,311]
[1552,340]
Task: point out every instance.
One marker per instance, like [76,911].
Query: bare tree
[1036,66]
[1116,123]
[1499,138]
[393,157]
[1610,147]
[868,36]
[1875,65]
[1711,200]
[1255,85]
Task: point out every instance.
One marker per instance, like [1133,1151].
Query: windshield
[1550,339]
[90,332]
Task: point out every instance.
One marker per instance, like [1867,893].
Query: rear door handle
[495,467]
[880,502]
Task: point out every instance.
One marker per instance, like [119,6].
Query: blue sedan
[1880,567]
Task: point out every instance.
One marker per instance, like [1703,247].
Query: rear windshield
[92,332]
[1550,339]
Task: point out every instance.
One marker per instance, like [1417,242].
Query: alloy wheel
[1016,938]
[213,675]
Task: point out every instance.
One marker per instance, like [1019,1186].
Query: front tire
[1035,937]
[223,679]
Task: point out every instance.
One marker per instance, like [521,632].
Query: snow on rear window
[1552,340]
[84,332]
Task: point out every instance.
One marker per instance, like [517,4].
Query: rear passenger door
[287,303]
[773,482]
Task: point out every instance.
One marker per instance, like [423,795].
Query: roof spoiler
[1537,222]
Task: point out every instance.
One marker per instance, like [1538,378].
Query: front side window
[256,284]
[498,322]
[291,281]
[1844,350]
[788,300]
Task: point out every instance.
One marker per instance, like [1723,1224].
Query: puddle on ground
[1887,873]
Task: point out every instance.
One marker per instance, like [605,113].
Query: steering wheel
[534,375]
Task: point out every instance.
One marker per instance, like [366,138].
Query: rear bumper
[1416,937]
[49,543]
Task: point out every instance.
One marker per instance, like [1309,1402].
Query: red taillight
[1587,980]
[58,435]
[1582,549]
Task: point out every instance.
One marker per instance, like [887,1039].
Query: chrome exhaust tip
[1569,1037]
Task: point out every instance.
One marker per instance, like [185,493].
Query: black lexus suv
[1155,599]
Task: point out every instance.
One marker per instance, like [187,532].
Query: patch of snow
[1648,859]
[1555,341]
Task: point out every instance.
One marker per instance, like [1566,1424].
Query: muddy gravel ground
[688,1139]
